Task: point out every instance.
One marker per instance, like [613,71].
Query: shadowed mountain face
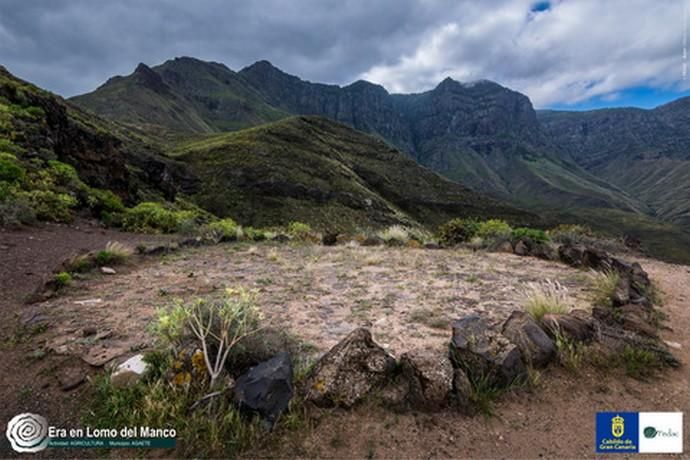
[480,134]
[645,152]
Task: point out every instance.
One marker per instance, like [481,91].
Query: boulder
[505,246]
[281,238]
[429,375]
[267,388]
[432,246]
[484,353]
[108,271]
[572,255]
[536,346]
[621,294]
[129,372]
[329,239]
[348,372]
[630,317]
[543,251]
[521,248]
[576,325]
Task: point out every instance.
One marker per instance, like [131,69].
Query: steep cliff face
[644,152]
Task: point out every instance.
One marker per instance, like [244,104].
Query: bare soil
[407,297]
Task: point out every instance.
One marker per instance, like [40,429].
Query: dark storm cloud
[558,51]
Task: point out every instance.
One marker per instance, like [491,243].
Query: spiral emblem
[28,432]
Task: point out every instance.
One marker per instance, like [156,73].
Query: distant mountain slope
[644,152]
[183,95]
[482,134]
[320,171]
[104,154]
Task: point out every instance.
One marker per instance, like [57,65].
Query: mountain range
[266,147]
[623,170]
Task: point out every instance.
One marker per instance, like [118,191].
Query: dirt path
[30,382]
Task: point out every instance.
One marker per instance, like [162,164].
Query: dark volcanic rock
[267,388]
[349,371]
[429,375]
[536,346]
[484,353]
[576,325]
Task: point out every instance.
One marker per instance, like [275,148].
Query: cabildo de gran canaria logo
[617,426]
[643,432]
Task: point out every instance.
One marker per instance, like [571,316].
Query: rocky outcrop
[129,372]
[484,353]
[429,376]
[577,325]
[349,372]
[536,346]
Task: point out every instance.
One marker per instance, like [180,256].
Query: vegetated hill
[644,152]
[183,95]
[481,134]
[319,171]
[37,127]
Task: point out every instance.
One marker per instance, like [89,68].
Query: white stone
[129,372]
[108,271]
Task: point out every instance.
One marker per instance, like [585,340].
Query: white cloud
[574,51]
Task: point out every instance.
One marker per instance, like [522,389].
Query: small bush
[217,326]
[640,363]
[62,280]
[299,230]
[152,217]
[254,234]
[224,229]
[113,254]
[571,353]
[547,297]
[494,228]
[570,234]
[457,231]
[50,205]
[532,235]
[15,209]
[394,233]
[603,286]
[10,169]
[100,201]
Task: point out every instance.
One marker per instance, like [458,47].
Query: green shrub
[457,231]
[533,235]
[100,201]
[571,234]
[225,229]
[51,206]
[7,145]
[152,217]
[640,363]
[299,230]
[395,233]
[10,169]
[493,228]
[254,234]
[16,211]
[63,174]
[114,253]
[62,280]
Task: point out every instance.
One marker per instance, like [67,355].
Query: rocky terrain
[412,301]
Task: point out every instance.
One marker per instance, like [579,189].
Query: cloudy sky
[561,53]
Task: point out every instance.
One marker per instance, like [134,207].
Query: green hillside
[322,172]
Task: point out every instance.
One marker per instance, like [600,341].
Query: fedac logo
[617,432]
[643,432]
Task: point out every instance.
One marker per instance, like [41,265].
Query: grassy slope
[322,172]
